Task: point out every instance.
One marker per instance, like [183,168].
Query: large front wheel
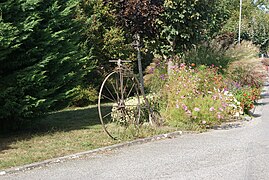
[119,103]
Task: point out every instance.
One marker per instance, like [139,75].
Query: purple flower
[211,109]
[162,77]
[237,85]
[177,106]
[196,109]
[184,107]
[151,70]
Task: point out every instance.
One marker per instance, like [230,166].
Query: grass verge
[61,133]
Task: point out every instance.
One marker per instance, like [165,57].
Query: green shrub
[244,75]
[206,55]
[42,58]
[85,96]
[156,76]
[246,96]
[244,50]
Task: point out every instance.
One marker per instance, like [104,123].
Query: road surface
[237,153]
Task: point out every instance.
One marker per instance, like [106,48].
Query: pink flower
[211,109]
[188,112]
[177,106]
[219,116]
[196,109]
[184,107]
[220,109]
[173,67]
[182,97]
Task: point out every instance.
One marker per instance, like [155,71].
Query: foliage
[244,75]
[196,97]
[103,38]
[48,50]
[246,96]
[86,96]
[184,23]
[243,51]
[42,57]
[207,55]
[245,83]
[154,72]
[255,19]
[138,16]
[259,30]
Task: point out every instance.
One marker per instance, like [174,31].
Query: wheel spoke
[107,115]
[124,89]
[116,88]
[110,92]
[108,98]
[130,90]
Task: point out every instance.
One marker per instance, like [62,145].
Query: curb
[92,152]
[258,109]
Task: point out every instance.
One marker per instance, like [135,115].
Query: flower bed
[201,96]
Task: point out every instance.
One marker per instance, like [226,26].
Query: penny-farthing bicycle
[120,101]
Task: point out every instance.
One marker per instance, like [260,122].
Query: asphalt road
[237,153]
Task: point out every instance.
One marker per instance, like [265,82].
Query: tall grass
[207,55]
